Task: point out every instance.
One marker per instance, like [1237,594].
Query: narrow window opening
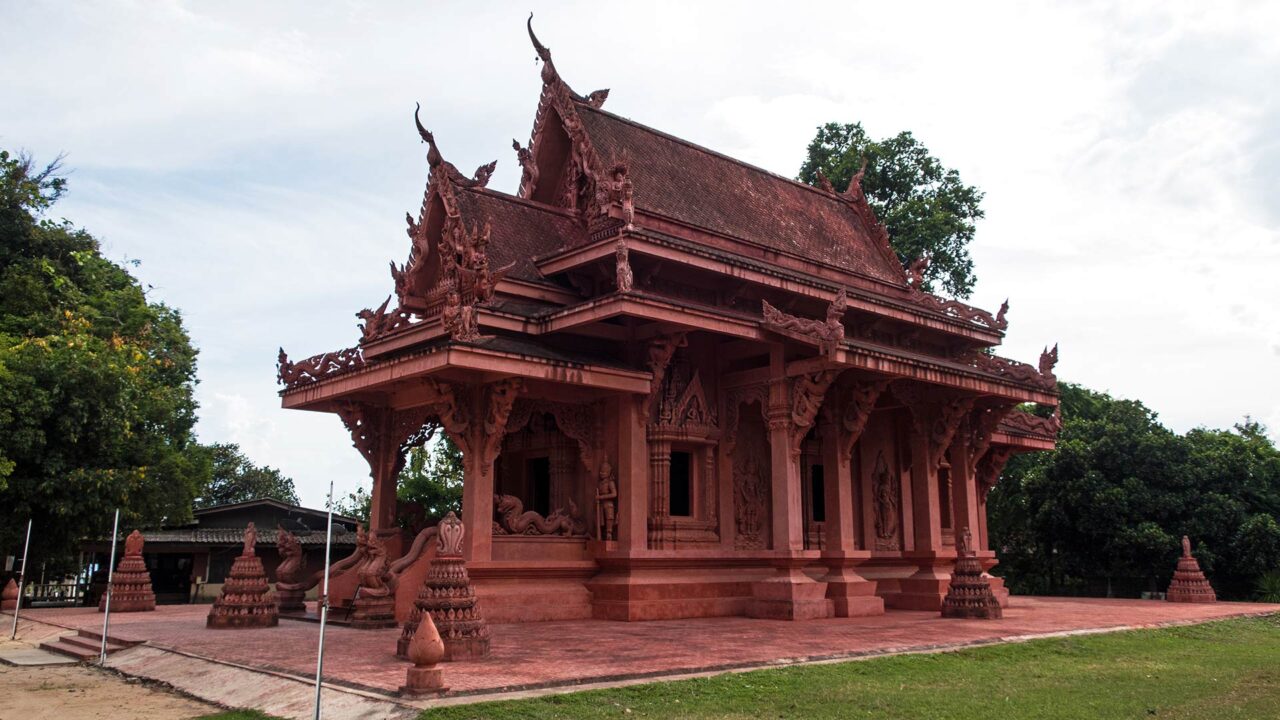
[681,484]
[539,470]
[817,493]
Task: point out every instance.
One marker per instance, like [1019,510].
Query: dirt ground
[60,692]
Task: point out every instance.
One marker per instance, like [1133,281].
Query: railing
[54,594]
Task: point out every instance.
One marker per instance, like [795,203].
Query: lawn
[1221,670]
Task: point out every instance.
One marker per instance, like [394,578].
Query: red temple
[683,386]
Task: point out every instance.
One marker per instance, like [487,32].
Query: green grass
[1222,670]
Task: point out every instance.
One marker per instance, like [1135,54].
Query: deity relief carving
[888,499]
[625,278]
[515,520]
[751,495]
[606,502]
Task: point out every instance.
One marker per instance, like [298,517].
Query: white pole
[111,568]
[323,603]
[22,578]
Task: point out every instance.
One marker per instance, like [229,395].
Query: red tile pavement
[572,652]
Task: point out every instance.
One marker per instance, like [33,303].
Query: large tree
[925,206]
[1105,511]
[234,478]
[96,381]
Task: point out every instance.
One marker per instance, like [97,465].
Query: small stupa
[1189,583]
[9,598]
[448,597]
[426,650]
[130,583]
[245,601]
[970,593]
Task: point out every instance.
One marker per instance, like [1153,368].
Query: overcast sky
[258,159]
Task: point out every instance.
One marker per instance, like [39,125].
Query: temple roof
[693,185]
[521,229]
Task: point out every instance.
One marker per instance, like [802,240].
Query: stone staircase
[85,645]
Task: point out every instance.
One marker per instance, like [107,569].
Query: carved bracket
[858,404]
[807,392]
[661,349]
[990,467]
[935,416]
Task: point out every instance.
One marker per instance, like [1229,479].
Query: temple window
[538,471]
[681,484]
[817,493]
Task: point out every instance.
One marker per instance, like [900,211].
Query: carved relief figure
[1001,321]
[290,568]
[1048,359]
[529,168]
[606,501]
[749,485]
[623,262]
[250,539]
[916,271]
[886,496]
[133,544]
[375,575]
[515,520]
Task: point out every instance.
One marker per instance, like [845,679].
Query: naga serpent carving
[515,520]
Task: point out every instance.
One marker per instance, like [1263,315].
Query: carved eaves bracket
[990,467]
[807,393]
[661,350]
[936,416]
[858,401]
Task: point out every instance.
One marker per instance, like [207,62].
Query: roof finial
[434,157]
[544,53]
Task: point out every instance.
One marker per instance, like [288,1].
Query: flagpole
[111,568]
[323,602]
[22,579]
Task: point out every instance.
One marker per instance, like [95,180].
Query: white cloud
[258,158]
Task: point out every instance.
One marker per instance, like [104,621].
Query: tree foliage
[925,206]
[1108,508]
[234,478]
[428,487]
[96,382]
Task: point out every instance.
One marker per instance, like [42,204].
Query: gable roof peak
[551,77]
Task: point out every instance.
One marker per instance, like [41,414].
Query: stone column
[480,445]
[964,492]
[786,511]
[633,476]
[382,511]
[477,507]
[851,594]
[659,493]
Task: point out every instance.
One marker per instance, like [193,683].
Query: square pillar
[633,476]
[851,595]
[477,507]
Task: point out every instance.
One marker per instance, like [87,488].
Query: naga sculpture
[515,520]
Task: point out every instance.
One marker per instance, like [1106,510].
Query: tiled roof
[702,188]
[235,536]
[521,230]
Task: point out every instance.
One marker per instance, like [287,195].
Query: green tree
[96,382]
[1106,510]
[925,206]
[428,486]
[432,479]
[234,478]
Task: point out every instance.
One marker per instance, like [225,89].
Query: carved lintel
[807,392]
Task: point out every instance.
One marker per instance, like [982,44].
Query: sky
[257,160]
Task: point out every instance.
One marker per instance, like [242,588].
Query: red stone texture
[130,587]
[969,595]
[566,653]
[246,600]
[9,598]
[1189,584]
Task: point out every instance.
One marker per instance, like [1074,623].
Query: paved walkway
[571,653]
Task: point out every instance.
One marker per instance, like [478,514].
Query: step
[63,648]
[96,636]
[92,644]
